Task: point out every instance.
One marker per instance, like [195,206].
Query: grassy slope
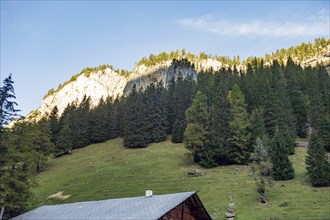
[107,170]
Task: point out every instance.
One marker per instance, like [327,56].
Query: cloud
[318,25]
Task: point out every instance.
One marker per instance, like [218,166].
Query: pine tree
[184,92]
[15,167]
[317,162]
[64,143]
[41,143]
[155,117]
[170,106]
[239,125]
[134,133]
[293,74]
[97,123]
[219,122]
[54,124]
[257,124]
[279,153]
[8,109]
[195,133]
[79,122]
[114,118]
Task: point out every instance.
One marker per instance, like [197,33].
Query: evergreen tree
[279,153]
[114,118]
[15,169]
[8,109]
[79,122]
[184,92]
[219,122]
[317,162]
[257,124]
[155,117]
[16,173]
[134,133]
[41,143]
[239,125]
[64,143]
[54,124]
[293,77]
[195,134]
[170,105]
[97,123]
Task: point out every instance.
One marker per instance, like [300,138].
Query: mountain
[103,81]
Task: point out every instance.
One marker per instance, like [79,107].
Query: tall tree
[239,125]
[7,104]
[219,122]
[98,123]
[184,92]
[195,134]
[53,119]
[134,133]
[15,172]
[155,117]
[317,162]
[279,153]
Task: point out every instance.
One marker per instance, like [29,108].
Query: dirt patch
[59,195]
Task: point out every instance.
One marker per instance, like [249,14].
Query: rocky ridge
[109,83]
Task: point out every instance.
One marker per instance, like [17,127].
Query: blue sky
[44,43]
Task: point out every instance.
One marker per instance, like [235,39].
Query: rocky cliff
[97,85]
[108,83]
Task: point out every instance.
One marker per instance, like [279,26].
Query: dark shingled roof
[152,207]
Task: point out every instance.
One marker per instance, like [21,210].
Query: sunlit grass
[108,170]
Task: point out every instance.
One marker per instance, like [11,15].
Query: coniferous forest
[223,118]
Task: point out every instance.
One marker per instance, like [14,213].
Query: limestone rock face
[210,64]
[159,73]
[101,84]
[108,83]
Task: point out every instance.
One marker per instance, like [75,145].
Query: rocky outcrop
[159,73]
[101,84]
[108,83]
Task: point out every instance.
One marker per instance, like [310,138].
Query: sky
[44,43]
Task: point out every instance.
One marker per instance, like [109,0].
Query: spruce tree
[15,166]
[184,92]
[114,118]
[97,123]
[195,134]
[170,105]
[54,124]
[155,117]
[219,122]
[8,109]
[64,143]
[134,128]
[317,162]
[282,167]
[41,143]
[79,123]
[239,125]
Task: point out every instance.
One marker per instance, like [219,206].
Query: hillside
[108,170]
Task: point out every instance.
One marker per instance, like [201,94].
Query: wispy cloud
[317,25]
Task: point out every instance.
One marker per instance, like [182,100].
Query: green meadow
[108,170]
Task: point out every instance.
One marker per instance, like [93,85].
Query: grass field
[108,170]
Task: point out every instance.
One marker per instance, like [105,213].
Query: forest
[225,117]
